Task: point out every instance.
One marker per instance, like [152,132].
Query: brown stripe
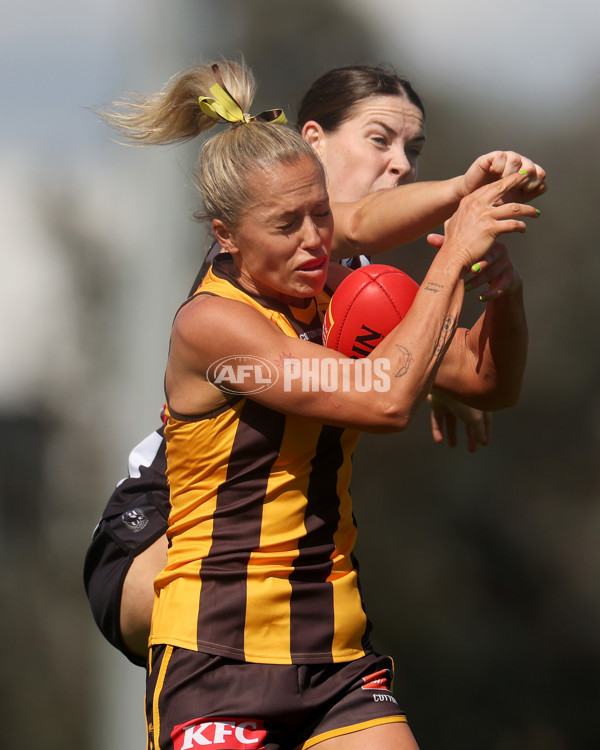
[236,528]
[312,616]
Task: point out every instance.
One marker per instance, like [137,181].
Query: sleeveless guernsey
[260,565]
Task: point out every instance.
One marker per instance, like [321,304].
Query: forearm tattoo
[432,286]
[405,359]
[446,334]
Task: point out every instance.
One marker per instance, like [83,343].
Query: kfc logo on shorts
[237,734]
[378,680]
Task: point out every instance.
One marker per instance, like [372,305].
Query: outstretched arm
[493,352]
[412,352]
[389,218]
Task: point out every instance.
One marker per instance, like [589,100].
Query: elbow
[357,239]
[390,420]
[501,397]
[508,399]
[512,397]
[346,239]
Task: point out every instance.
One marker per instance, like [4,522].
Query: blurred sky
[55,59]
[541,56]
[59,57]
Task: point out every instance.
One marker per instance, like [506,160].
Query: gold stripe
[149,673]
[157,690]
[269,568]
[175,615]
[350,729]
[350,618]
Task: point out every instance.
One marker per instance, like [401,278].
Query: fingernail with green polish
[467,287]
[523,171]
[538,212]
[481,298]
[476,267]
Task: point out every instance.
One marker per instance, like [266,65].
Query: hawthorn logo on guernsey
[229,373]
[234,734]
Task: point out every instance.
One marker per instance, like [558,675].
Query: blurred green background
[480,571]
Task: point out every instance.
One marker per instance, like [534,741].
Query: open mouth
[313,265]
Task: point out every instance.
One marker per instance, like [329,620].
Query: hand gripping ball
[365,307]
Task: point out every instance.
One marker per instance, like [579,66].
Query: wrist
[457,187]
[455,260]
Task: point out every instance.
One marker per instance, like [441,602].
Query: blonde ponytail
[229,159]
[173,115]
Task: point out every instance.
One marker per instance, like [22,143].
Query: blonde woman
[367,125]
[259,636]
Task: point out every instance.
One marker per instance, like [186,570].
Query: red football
[365,307]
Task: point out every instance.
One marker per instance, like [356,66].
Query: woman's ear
[223,235]
[313,134]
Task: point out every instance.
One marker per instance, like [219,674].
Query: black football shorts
[196,700]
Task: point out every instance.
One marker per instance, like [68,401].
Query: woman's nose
[400,164]
[311,236]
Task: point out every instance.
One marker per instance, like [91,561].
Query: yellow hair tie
[224,107]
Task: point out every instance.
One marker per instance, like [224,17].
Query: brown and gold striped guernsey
[260,566]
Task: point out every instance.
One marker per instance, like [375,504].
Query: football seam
[387,294]
[368,280]
[347,310]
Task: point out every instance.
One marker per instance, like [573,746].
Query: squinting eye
[288,226]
